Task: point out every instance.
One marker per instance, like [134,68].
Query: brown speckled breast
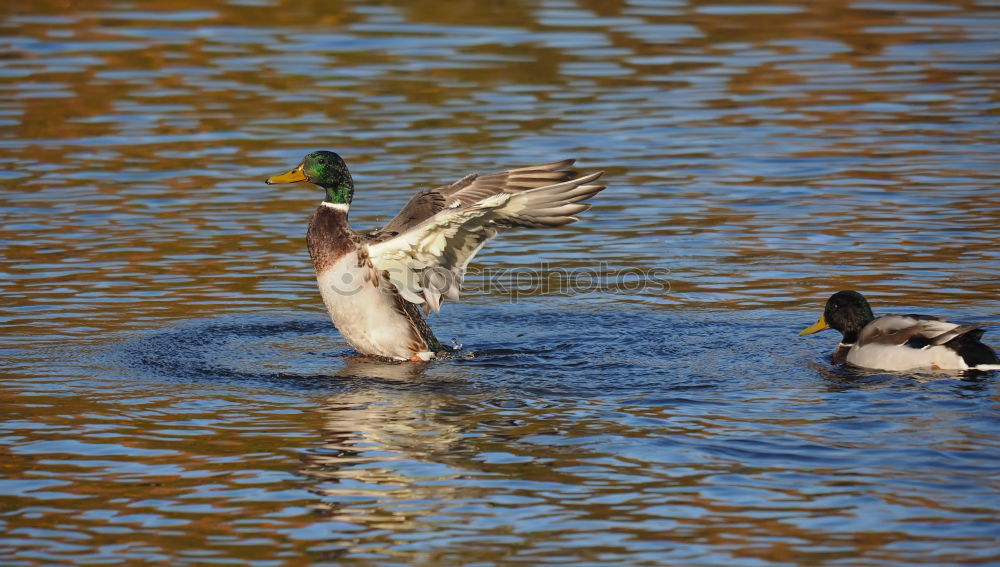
[840,355]
[329,237]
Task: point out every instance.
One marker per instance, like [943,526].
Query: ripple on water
[173,392]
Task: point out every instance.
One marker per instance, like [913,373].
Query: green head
[325,169]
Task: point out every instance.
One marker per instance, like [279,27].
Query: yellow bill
[816,327]
[292,176]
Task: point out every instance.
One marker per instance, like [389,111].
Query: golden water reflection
[172,390]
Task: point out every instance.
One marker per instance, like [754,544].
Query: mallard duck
[900,342]
[374,283]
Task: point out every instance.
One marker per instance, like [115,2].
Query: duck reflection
[394,427]
[369,368]
[386,410]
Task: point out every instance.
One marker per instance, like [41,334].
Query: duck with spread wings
[374,284]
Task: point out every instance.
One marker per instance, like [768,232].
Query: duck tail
[972,351]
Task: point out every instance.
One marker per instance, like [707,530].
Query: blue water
[630,389]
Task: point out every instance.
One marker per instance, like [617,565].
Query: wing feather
[429,261]
[471,189]
[912,330]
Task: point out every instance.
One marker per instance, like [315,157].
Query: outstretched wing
[472,189]
[429,260]
[916,331]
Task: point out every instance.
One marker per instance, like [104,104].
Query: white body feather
[364,314]
[902,357]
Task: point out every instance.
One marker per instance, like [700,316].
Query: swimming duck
[900,342]
[374,283]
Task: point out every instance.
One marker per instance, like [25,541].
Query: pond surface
[631,389]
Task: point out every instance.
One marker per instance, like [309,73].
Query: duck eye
[322,161]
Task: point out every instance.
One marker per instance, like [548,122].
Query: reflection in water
[670,474]
[173,393]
